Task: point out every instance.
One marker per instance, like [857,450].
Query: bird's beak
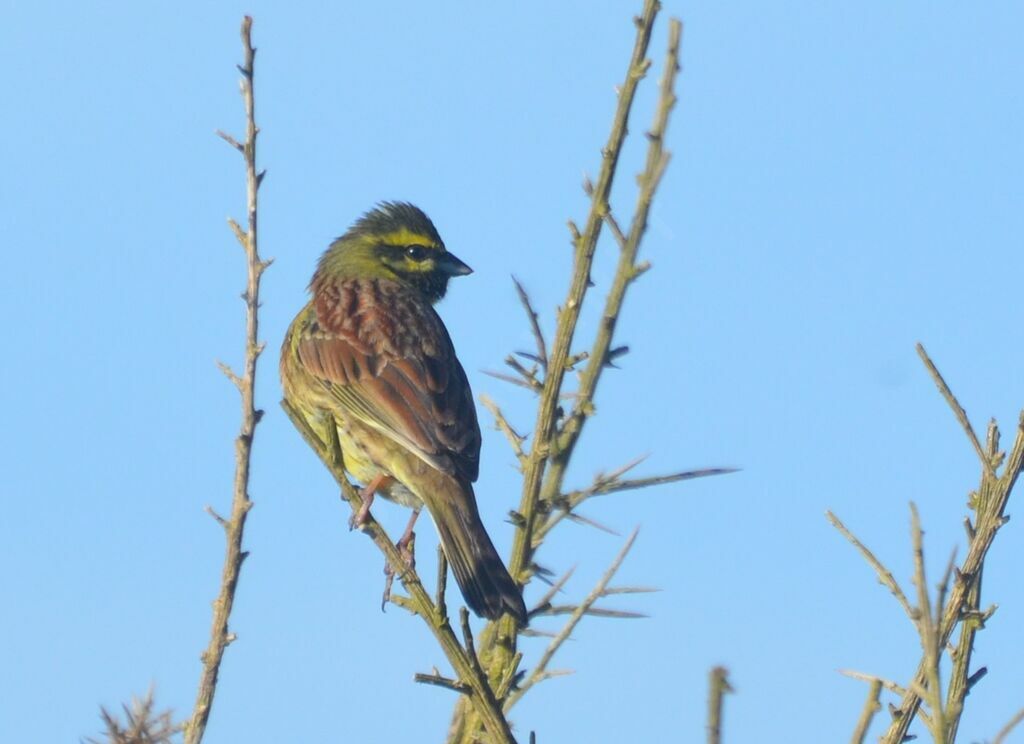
[452,266]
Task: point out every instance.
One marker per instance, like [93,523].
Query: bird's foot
[407,549]
[359,517]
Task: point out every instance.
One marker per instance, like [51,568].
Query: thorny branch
[234,527]
[556,431]
[958,595]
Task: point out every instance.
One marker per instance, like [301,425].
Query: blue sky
[845,182]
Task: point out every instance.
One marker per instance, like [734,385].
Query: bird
[370,356]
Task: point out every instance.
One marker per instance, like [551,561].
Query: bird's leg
[407,541]
[367,493]
[406,546]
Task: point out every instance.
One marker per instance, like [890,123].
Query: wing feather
[386,358]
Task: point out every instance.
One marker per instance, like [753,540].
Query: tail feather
[485,582]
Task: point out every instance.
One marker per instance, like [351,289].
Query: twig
[717,688]
[571,609]
[515,439]
[885,576]
[888,684]
[929,633]
[552,591]
[1010,725]
[531,384]
[531,314]
[442,583]
[440,681]
[867,714]
[613,225]
[958,410]
[610,484]
[582,609]
[220,636]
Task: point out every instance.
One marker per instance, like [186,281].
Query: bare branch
[217,517]
[230,140]
[442,583]
[616,230]
[612,483]
[440,681]
[1010,725]
[929,632]
[530,384]
[886,683]
[515,439]
[220,636]
[571,609]
[958,410]
[885,576]
[867,714]
[717,688]
[531,314]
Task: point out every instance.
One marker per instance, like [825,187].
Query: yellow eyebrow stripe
[405,236]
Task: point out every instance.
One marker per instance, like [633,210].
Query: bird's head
[393,241]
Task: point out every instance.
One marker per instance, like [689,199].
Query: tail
[485,582]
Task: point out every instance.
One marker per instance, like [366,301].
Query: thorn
[615,353]
[259,177]
[257,415]
[240,235]
[220,520]
[235,379]
[976,678]
[230,140]
[574,231]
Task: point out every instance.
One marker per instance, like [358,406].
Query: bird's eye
[416,252]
